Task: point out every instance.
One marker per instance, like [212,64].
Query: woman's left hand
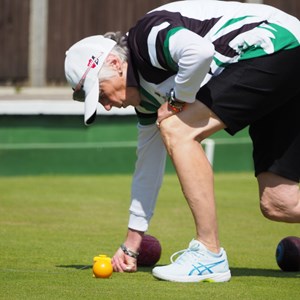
[163,113]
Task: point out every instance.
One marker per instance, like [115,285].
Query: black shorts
[264,94]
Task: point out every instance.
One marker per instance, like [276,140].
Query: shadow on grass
[78,267]
[235,272]
[243,272]
[85,267]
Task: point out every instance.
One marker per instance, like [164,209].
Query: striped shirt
[182,45]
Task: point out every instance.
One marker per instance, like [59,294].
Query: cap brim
[91,102]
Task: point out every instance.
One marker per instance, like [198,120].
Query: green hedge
[45,144]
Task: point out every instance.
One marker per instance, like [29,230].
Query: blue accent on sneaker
[205,267]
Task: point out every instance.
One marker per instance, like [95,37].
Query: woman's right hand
[121,261]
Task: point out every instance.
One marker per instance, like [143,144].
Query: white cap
[86,57]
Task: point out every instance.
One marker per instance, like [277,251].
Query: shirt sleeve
[147,178]
[193,55]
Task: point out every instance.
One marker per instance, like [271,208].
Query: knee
[275,206]
[279,198]
[170,133]
[175,133]
[268,208]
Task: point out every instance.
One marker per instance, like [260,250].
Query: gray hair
[120,50]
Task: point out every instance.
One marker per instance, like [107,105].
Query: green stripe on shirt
[171,63]
[283,40]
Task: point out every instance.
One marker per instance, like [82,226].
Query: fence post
[38,32]
[209,149]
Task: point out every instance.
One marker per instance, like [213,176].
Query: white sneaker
[195,264]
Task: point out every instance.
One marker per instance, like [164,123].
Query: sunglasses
[79,93]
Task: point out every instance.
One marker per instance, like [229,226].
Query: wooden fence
[69,21]
[14,32]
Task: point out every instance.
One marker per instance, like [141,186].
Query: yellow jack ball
[102,267]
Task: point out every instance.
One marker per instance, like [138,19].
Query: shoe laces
[189,254]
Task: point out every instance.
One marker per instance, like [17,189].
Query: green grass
[51,227]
